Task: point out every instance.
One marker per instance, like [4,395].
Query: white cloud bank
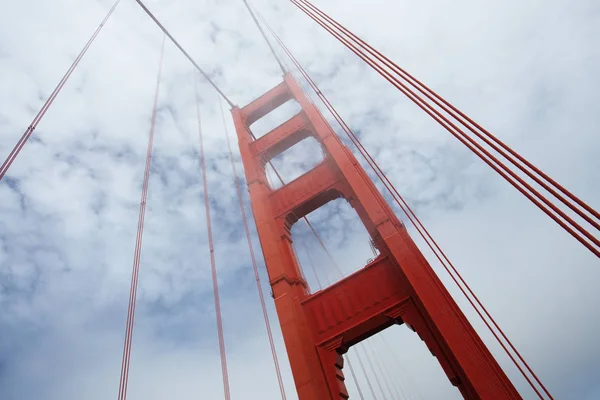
[68,207]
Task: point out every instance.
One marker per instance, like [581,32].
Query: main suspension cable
[124,379]
[253,258]
[211,248]
[413,218]
[467,122]
[469,142]
[262,32]
[36,120]
[185,53]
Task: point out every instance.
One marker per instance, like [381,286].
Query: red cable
[354,377]
[36,120]
[486,137]
[185,53]
[381,370]
[384,178]
[124,379]
[362,367]
[461,136]
[213,266]
[254,265]
[372,368]
[402,371]
[312,266]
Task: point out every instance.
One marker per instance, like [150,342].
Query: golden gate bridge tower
[397,287]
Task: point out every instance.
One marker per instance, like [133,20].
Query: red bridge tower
[398,287]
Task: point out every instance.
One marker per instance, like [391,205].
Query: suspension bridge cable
[36,120]
[253,258]
[467,122]
[312,266]
[483,154]
[410,214]
[383,372]
[211,248]
[124,379]
[185,53]
[262,32]
[364,371]
[402,370]
[354,377]
[370,363]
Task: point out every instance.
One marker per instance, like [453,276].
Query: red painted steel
[398,287]
[440,255]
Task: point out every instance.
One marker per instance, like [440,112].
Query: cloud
[68,207]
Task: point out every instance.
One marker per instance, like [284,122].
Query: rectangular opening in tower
[275,118]
[294,162]
[343,245]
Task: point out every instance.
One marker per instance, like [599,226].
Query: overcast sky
[526,70]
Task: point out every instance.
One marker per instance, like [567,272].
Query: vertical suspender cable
[372,368]
[402,371]
[364,371]
[36,120]
[312,267]
[213,266]
[354,377]
[253,258]
[382,373]
[124,380]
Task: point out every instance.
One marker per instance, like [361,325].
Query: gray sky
[68,207]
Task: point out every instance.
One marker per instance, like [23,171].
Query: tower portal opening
[294,162]
[346,244]
[275,118]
